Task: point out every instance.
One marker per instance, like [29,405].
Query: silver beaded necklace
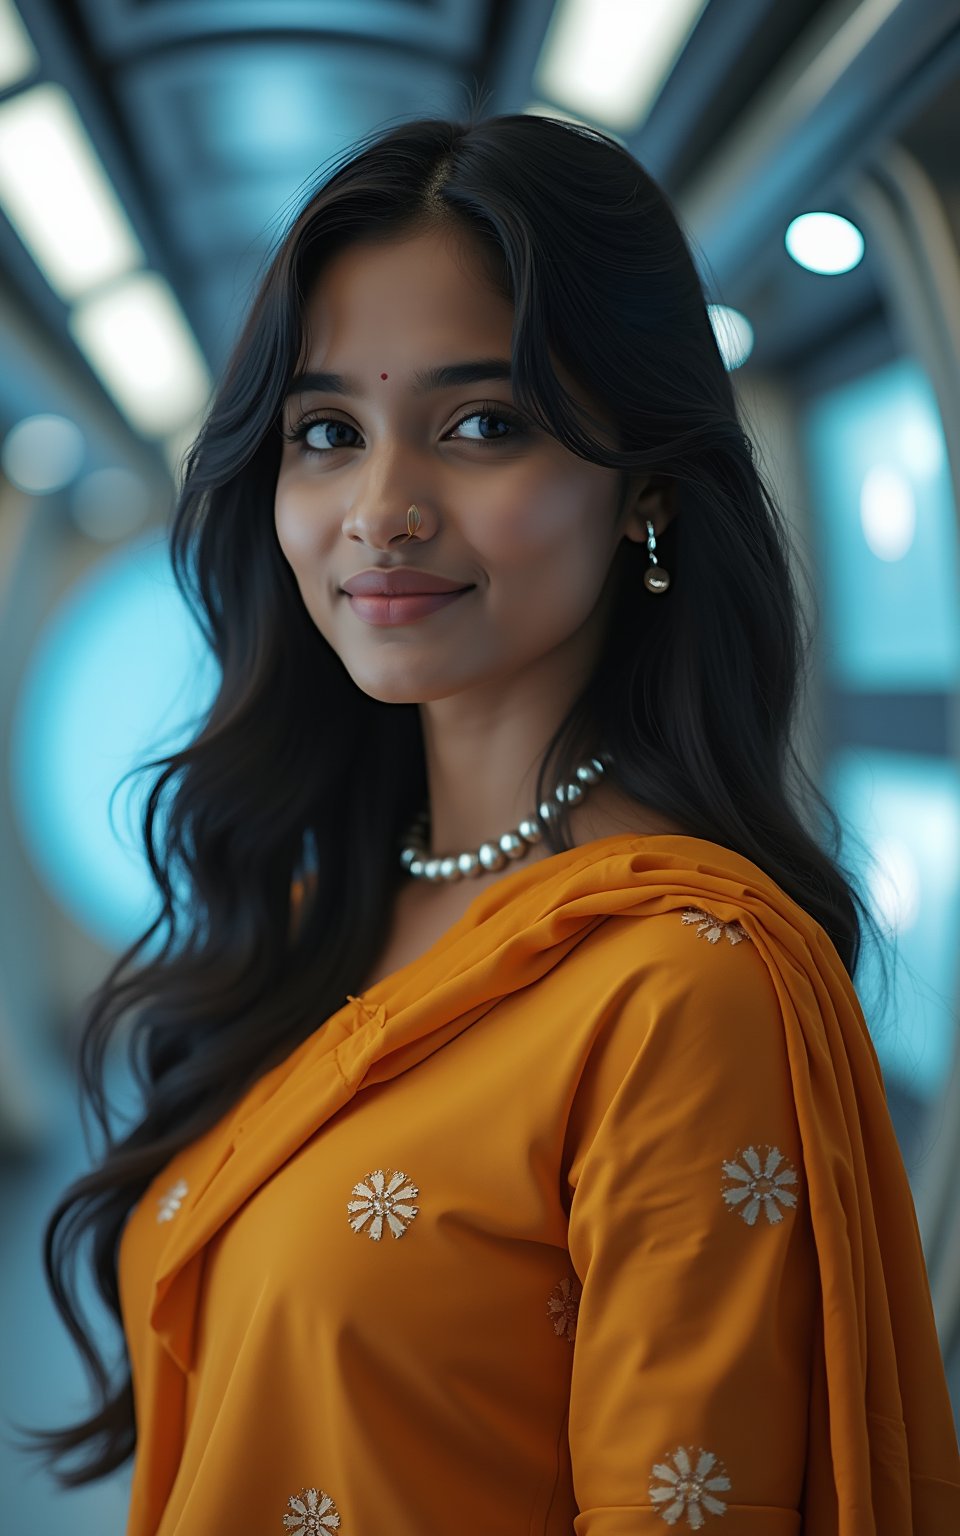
[418,862]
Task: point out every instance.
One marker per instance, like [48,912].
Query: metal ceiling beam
[844,87]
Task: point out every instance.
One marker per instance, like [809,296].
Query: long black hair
[694,695]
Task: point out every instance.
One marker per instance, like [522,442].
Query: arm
[691,1238]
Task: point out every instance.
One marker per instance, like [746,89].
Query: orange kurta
[591,1221]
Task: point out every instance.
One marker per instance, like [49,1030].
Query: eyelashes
[487,410]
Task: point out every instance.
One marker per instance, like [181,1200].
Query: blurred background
[150,156]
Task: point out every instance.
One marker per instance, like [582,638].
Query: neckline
[497,895]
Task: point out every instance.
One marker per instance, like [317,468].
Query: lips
[396,583]
[386,610]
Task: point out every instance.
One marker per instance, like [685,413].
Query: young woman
[514,1155]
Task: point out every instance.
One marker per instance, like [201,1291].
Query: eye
[493,412]
[299,433]
[490,411]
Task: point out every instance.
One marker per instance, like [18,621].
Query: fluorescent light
[824,242]
[57,195]
[609,59]
[136,337]
[888,511]
[18,57]
[733,332]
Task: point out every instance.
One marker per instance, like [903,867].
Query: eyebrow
[446,377]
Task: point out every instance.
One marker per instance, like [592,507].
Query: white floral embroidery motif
[315,1511]
[712,927]
[169,1203]
[562,1307]
[686,1490]
[759,1184]
[383,1200]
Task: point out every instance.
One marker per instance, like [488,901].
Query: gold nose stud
[413,520]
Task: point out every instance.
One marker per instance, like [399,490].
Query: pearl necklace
[417,861]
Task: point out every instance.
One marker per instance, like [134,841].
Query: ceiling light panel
[609,59]
[18,57]
[136,338]
[57,195]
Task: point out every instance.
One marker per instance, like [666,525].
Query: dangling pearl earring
[655,578]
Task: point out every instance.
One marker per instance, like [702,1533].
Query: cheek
[549,534]
[298,532]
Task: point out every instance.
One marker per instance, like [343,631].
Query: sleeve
[690,1236]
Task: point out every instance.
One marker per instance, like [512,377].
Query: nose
[389,518]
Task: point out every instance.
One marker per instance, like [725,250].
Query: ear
[653,499]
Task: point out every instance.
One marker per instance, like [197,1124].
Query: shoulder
[681,997]
[690,1052]
[685,958]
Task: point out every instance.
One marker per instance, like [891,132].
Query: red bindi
[383,375]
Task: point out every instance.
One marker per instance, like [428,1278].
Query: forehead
[404,305]
[426,294]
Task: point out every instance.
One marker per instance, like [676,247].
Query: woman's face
[505,509]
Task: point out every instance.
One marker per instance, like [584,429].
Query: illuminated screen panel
[906,811]
[120,675]
[886,533]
